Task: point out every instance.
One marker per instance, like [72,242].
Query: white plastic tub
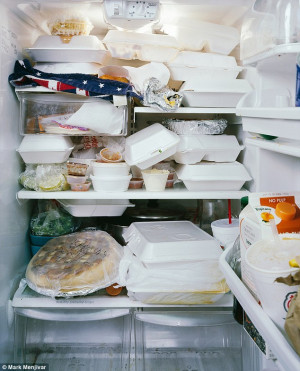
[45,149]
[190,65]
[149,146]
[208,93]
[79,49]
[111,184]
[209,176]
[155,243]
[218,148]
[88,208]
[145,47]
[110,169]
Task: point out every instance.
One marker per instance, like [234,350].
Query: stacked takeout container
[171,262]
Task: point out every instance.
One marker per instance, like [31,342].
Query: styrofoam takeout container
[110,169]
[170,242]
[189,65]
[111,184]
[145,47]
[87,208]
[208,93]
[210,176]
[80,49]
[45,149]
[149,146]
[218,148]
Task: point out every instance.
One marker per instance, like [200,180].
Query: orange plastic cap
[285,211]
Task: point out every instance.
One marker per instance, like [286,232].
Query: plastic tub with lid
[111,184]
[218,148]
[170,242]
[45,149]
[110,169]
[142,46]
[210,176]
[149,146]
[208,93]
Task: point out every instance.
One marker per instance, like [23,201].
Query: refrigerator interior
[22,22]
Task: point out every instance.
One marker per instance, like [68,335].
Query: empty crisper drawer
[81,339]
[187,340]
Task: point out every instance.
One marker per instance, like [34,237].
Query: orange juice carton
[256,219]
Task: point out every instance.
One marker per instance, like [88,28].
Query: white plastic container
[218,148]
[88,208]
[45,149]
[210,176]
[145,47]
[149,146]
[190,65]
[275,297]
[208,93]
[111,184]
[155,180]
[79,49]
[110,169]
[155,243]
[224,232]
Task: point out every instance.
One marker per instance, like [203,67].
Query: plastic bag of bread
[75,264]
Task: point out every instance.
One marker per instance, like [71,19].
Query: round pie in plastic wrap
[75,264]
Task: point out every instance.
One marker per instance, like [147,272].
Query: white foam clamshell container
[80,49]
[149,146]
[87,208]
[189,65]
[145,47]
[155,243]
[211,176]
[45,149]
[209,93]
[218,148]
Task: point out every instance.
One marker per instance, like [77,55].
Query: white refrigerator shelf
[278,342]
[287,147]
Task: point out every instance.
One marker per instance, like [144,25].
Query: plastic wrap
[71,24]
[75,264]
[50,219]
[28,177]
[159,96]
[207,127]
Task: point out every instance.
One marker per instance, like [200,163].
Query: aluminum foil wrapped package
[204,127]
[75,264]
[159,96]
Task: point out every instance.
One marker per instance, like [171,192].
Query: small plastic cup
[80,187]
[73,179]
[136,183]
[155,180]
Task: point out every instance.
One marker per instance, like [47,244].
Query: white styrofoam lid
[199,59]
[208,142]
[115,36]
[213,170]
[224,224]
[142,145]
[47,142]
[76,42]
[235,86]
[170,241]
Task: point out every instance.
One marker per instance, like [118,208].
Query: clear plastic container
[70,114]
[85,339]
[80,187]
[187,340]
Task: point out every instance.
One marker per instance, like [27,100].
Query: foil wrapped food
[204,127]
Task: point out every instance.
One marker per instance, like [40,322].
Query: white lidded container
[208,93]
[88,208]
[78,49]
[111,184]
[142,46]
[170,242]
[218,148]
[211,176]
[149,146]
[189,65]
[45,149]
[110,169]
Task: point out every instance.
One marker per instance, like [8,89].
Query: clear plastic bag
[75,264]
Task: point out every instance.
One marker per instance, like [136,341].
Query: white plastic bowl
[110,169]
[111,184]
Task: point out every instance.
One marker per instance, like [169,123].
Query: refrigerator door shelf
[288,358]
